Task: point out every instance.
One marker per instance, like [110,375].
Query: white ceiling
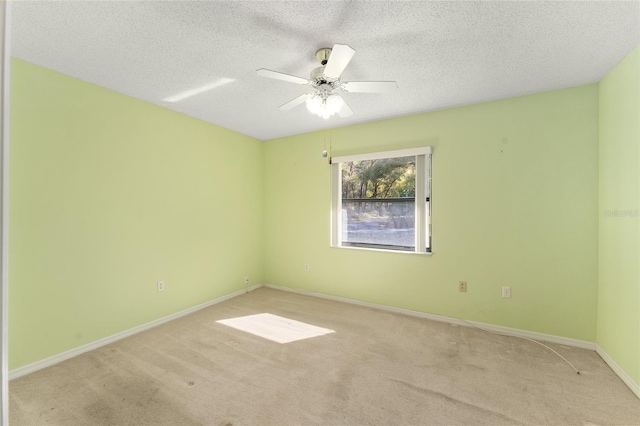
[442,54]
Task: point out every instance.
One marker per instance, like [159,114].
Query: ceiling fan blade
[345,111]
[340,56]
[294,102]
[281,76]
[369,86]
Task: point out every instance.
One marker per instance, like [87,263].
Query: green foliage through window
[381,200]
[383,178]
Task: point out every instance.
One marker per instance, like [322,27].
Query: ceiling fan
[325,80]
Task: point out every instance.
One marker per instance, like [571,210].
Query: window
[382,200]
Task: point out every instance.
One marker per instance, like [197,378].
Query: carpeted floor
[378,368]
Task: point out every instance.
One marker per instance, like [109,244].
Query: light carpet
[378,368]
[275,328]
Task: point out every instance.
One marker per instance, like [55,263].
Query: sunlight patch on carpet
[275,328]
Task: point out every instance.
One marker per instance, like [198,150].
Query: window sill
[383,250]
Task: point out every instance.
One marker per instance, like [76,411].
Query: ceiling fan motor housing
[316,74]
[318,78]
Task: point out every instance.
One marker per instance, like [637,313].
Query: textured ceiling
[442,54]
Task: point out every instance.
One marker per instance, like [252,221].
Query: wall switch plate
[506,292]
[462,286]
[160,285]
[306,267]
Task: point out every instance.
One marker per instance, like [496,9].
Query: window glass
[382,200]
[378,203]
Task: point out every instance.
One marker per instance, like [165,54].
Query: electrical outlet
[506,292]
[462,286]
[306,266]
[160,285]
[246,279]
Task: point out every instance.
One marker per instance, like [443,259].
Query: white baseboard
[635,387]
[451,320]
[38,365]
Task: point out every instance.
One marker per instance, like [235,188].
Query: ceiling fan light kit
[323,102]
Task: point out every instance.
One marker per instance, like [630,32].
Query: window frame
[423,243]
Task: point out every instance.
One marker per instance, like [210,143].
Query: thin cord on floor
[525,338]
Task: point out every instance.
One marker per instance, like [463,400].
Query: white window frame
[423,244]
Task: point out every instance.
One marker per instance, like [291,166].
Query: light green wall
[619,268]
[109,195]
[515,202]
